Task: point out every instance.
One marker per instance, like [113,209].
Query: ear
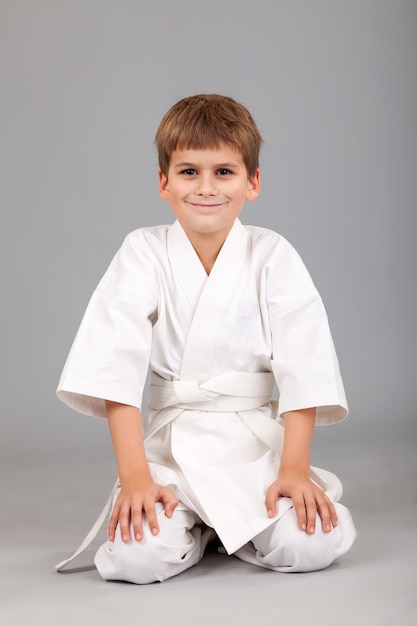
[163,185]
[254,186]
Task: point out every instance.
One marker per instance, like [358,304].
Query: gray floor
[50,502]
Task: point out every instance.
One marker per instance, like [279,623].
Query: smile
[199,205]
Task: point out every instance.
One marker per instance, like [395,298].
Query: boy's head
[207,121]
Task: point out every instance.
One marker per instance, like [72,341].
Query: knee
[287,548]
[141,562]
[153,559]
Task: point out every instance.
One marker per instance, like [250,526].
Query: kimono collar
[187,267]
[209,296]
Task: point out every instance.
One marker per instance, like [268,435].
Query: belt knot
[190,391]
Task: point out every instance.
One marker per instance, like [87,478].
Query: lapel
[186,266]
[208,295]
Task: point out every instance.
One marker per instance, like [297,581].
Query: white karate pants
[180,544]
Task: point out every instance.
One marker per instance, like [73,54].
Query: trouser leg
[283,547]
[179,545]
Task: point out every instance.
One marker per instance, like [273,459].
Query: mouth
[206,207]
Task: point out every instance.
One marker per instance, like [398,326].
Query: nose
[206,186]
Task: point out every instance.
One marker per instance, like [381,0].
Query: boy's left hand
[308,500]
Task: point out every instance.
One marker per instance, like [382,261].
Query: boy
[218,311]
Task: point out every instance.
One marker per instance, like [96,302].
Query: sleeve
[304,360]
[110,355]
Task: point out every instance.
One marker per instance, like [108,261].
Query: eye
[223,171]
[188,172]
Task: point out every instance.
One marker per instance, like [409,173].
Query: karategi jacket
[217,346]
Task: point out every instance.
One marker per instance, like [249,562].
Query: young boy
[219,312]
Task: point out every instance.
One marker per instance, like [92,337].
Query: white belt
[230,391]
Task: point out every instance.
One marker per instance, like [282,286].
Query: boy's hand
[138,497]
[308,500]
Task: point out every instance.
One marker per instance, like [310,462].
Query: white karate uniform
[216,345]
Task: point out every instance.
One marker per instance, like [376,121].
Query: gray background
[333,88]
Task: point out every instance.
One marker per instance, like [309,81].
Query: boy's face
[207,189]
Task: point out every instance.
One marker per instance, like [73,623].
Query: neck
[207,246]
[208,255]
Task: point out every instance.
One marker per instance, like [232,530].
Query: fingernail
[311,531]
[138,536]
[328,528]
[154,531]
[269,512]
[125,538]
[303,526]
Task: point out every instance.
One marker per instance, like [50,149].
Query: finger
[150,512]
[169,501]
[311,513]
[113,521]
[271,502]
[136,519]
[324,514]
[124,522]
[327,513]
[300,510]
[333,515]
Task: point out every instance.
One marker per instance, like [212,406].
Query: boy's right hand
[136,498]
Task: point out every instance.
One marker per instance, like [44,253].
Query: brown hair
[204,122]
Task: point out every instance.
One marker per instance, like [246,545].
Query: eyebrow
[216,166]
